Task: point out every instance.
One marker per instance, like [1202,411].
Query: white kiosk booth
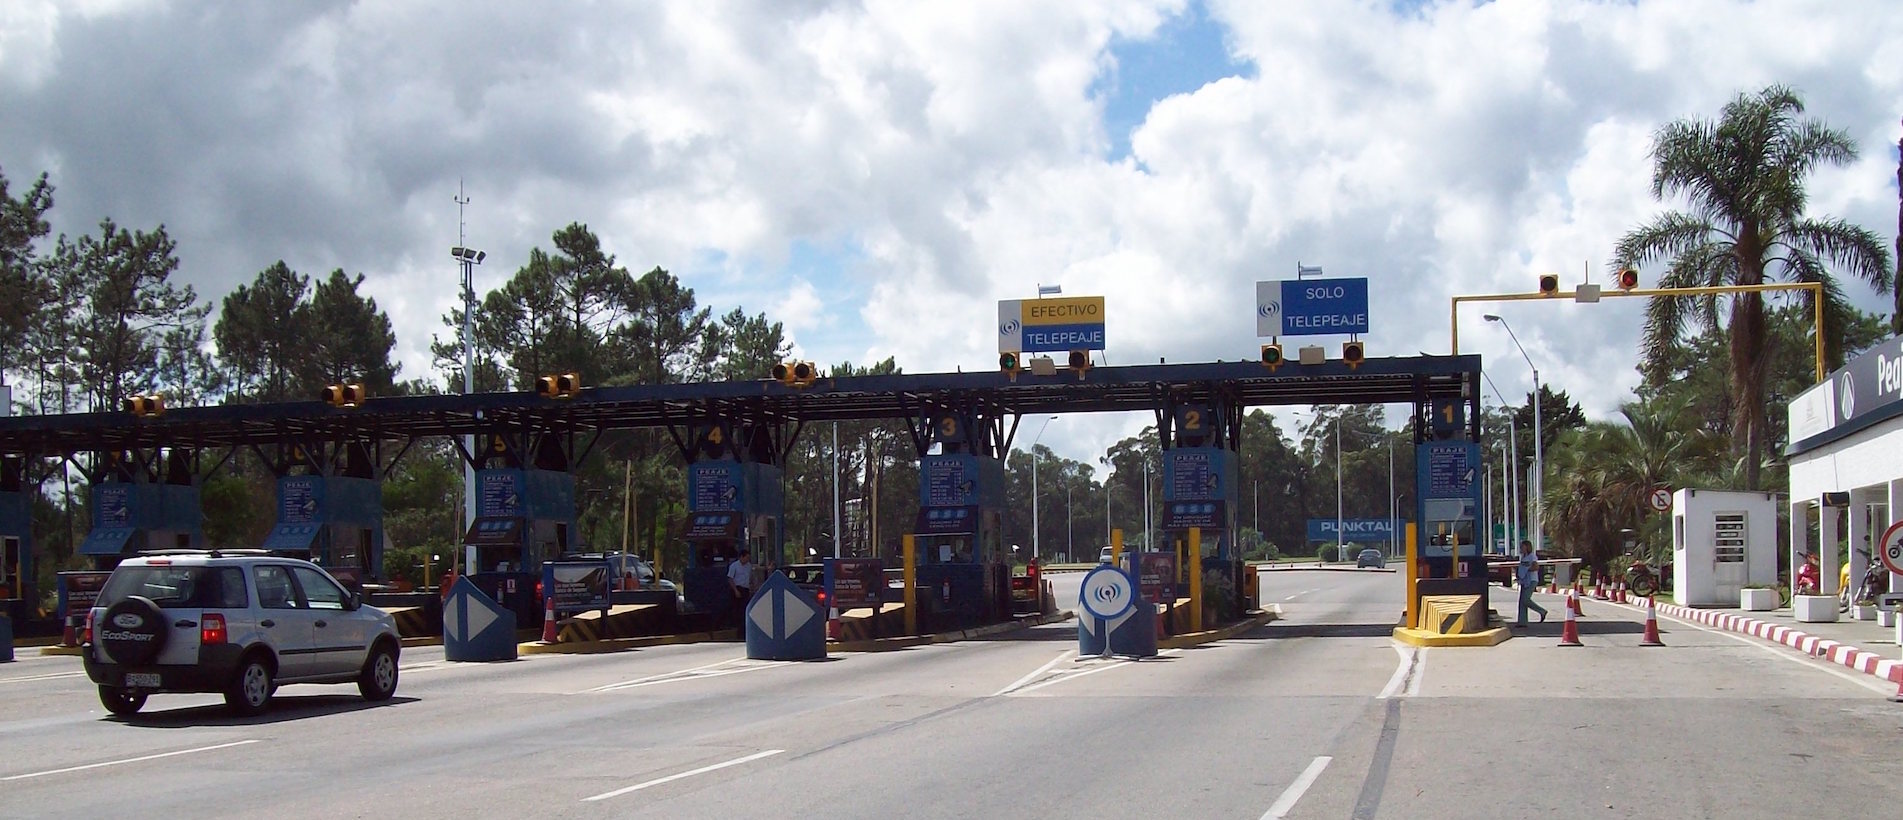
[1722,541]
[1846,457]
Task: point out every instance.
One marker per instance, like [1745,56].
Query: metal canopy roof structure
[1103,389]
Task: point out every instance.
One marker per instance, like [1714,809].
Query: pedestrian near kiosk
[1528,576]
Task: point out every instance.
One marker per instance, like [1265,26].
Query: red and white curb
[1861,660]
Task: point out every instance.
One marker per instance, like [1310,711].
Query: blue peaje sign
[1311,307]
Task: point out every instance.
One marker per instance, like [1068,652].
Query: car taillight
[86,635]
[211,629]
[822,597]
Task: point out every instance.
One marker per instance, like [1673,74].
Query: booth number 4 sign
[1892,552]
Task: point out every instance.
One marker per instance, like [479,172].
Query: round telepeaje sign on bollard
[1107,593]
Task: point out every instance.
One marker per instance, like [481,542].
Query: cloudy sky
[876,175]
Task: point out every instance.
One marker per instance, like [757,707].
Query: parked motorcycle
[1642,580]
[1876,581]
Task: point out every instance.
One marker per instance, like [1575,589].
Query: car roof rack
[210,553]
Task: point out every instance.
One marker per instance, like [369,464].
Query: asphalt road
[1319,714]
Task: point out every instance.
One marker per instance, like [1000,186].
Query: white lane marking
[673,777]
[712,670]
[47,676]
[1295,790]
[1399,678]
[1298,594]
[1034,675]
[129,760]
[1785,652]
[1075,674]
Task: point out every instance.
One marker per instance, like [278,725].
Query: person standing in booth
[1527,575]
[740,579]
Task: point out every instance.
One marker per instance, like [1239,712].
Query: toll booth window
[318,590]
[274,587]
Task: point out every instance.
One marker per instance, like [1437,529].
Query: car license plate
[149,680]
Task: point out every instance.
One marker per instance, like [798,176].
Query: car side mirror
[353,602]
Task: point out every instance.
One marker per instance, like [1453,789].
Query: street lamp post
[1510,483]
[1034,440]
[1539,446]
[1068,541]
[1147,545]
[469,258]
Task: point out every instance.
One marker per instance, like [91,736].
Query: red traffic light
[1627,278]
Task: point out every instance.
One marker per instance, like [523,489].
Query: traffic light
[145,405]
[1549,284]
[342,395]
[795,374]
[1079,362]
[1627,278]
[1272,355]
[1008,362]
[558,386]
[1352,354]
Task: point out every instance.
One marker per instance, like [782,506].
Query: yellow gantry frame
[1816,288]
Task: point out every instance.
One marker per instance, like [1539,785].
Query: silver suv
[239,622]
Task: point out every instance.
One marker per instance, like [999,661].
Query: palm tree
[1606,470]
[1744,176]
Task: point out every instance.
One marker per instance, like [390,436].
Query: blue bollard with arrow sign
[784,622]
[475,627]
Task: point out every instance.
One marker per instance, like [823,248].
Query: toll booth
[524,516]
[138,506]
[329,508]
[1199,492]
[1447,558]
[734,502]
[19,593]
[962,569]
[336,521]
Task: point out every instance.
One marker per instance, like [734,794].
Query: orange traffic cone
[1569,636]
[1618,592]
[548,620]
[1572,600]
[832,624]
[1651,637]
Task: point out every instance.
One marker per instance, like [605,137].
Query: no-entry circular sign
[1891,550]
[1660,498]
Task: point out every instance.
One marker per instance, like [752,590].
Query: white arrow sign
[797,613]
[470,621]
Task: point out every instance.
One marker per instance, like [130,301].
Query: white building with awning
[1846,462]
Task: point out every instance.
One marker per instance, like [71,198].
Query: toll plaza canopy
[1414,380]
